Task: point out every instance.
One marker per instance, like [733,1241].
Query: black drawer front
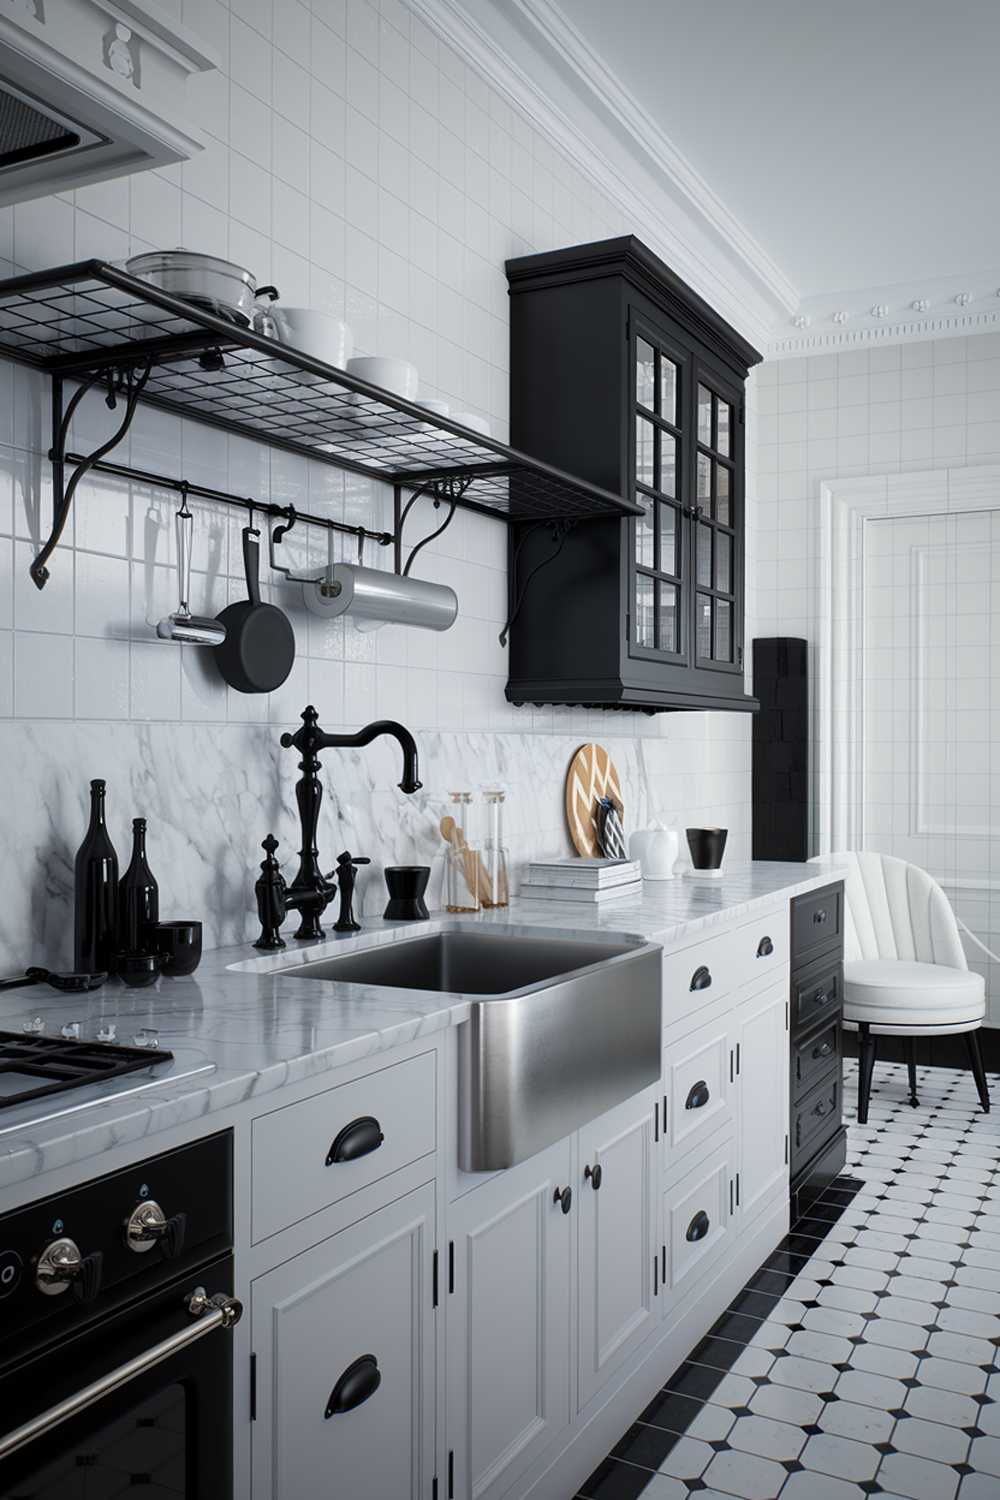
[816,1055]
[817,923]
[817,995]
[815,1119]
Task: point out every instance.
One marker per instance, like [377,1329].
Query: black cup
[707,846]
[137,970]
[179,945]
[407,884]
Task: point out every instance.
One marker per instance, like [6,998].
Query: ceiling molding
[663,157]
[722,279]
[833,337]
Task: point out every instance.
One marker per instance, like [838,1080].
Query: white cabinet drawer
[694,978]
[699,1087]
[314,1153]
[697,1217]
[762,947]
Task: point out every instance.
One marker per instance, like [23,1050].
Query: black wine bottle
[95,927]
[138,897]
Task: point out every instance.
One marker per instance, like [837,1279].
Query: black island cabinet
[623,375]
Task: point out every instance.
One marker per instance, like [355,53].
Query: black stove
[34,1066]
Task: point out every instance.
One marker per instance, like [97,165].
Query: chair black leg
[975,1052]
[911,1069]
[866,1066]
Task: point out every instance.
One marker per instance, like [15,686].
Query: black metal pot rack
[93,324]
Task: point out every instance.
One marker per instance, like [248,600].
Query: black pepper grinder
[95,877]
[346,872]
[138,897]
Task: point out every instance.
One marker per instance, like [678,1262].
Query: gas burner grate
[61,1063]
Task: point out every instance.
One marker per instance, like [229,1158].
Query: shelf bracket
[560,530]
[440,491]
[127,383]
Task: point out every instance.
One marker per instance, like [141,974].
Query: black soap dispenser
[95,924]
[138,897]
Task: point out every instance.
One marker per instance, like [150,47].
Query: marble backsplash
[211,792]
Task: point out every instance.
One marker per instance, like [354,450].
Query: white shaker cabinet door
[763,1087]
[620,1267]
[508,1313]
[344,1340]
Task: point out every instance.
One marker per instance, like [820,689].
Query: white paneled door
[931,669]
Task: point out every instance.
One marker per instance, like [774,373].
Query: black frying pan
[259,648]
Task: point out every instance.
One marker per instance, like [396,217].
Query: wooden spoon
[475,874]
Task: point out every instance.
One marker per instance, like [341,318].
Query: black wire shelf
[77,321]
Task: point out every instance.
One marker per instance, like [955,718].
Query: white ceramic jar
[656,848]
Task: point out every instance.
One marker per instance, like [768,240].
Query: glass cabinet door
[658,570]
[714,519]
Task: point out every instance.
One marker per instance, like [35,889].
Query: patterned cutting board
[592,775]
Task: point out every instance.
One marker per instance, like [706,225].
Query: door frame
[846,507]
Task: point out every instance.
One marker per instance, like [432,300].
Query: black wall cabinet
[623,375]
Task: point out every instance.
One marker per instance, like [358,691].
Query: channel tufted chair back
[896,910]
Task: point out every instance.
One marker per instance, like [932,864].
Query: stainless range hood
[91,89]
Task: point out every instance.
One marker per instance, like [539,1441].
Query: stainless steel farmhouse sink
[561,1028]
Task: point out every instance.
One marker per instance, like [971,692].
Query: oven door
[141,1401]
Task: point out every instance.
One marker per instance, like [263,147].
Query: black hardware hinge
[451,1267]
[656,1275]
[434,1488]
[434,1279]
[739,1064]
[656,1121]
[786,1148]
[253,1387]
[451,1474]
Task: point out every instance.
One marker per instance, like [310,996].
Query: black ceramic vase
[407,884]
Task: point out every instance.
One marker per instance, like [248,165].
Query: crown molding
[952,307]
[722,275]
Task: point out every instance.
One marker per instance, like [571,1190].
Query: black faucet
[311,891]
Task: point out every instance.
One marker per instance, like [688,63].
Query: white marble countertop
[239,1033]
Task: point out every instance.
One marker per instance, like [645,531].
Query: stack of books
[594,880]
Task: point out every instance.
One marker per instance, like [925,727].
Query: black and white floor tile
[864,1356]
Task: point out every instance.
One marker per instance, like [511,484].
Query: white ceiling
[856,142]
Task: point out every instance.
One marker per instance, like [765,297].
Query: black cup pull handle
[701,979]
[564,1197]
[765,947]
[819,917]
[823,1050]
[698,1096]
[821,996]
[356,1139]
[699,1226]
[821,1108]
[594,1176]
[359,1381]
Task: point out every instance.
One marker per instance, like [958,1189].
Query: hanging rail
[224,497]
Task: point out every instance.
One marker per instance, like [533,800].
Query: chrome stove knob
[61,1267]
[148,1225]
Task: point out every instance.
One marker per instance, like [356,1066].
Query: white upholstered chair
[905,970]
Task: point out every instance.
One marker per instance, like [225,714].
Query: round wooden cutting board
[592,775]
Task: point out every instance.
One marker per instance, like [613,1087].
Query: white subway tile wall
[355,161]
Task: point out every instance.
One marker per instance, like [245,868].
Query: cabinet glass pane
[703,616]
[724,422]
[668,389]
[668,617]
[644,438]
[704,484]
[644,373]
[644,533]
[723,505]
[645,611]
[668,539]
[668,464]
[723,630]
[705,416]
[704,554]
[723,563]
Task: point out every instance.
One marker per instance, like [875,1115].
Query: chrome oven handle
[219,1311]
